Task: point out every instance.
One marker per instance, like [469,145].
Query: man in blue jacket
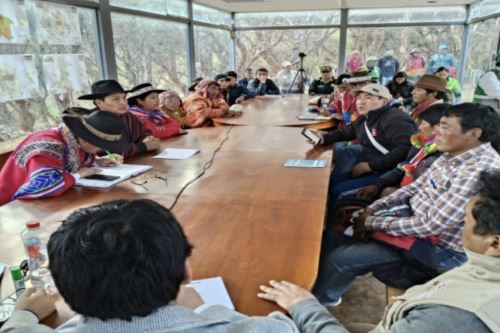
[262,85]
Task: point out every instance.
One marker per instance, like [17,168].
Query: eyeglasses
[144,179]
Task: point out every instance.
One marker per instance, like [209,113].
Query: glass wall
[150,50]
[270,48]
[50,54]
[480,54]
[404,40]
[212,50]
[407,15]
[284,19]
[48,57]
[169,7]
[484,8]
[211,15]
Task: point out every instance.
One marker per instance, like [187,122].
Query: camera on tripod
[300,76]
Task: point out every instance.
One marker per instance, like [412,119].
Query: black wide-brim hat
[104,88]
[143,89]
[100,128]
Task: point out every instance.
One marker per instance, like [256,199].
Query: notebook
[177,154]
[123,171]
[305,163]
[212,291]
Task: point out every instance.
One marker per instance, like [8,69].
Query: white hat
[375,90]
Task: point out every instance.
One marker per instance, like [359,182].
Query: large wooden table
[249,218]
[275,110]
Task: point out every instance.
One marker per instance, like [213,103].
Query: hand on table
[151,143]
[240,99]
[284,293]
[38,301]
[111,160]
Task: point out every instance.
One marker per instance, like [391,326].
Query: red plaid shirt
[438,198]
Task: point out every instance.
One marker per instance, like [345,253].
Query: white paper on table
[212,291]
[177,154]
[123,171]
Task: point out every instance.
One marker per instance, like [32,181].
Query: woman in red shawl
[143,101]
[48,162]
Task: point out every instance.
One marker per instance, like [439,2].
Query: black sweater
[389,126]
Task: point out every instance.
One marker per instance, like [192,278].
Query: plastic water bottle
[324,102]
[35,240]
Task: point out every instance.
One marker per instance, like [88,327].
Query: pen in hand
[114,158]
[110,155]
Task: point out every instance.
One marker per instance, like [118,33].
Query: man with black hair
[430,209]
[247,76]
[465,299]
[261,85]
[122,266]
[234,93]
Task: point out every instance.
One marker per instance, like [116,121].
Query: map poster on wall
[18,77]
[57,24]
[14,28]
[64,73]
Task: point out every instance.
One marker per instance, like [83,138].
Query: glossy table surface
[276,111]
[249,218]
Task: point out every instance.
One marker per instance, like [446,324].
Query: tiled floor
[364,302]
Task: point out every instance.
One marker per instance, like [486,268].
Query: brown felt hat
[432,82]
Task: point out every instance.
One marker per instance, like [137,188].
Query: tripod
[302,72]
